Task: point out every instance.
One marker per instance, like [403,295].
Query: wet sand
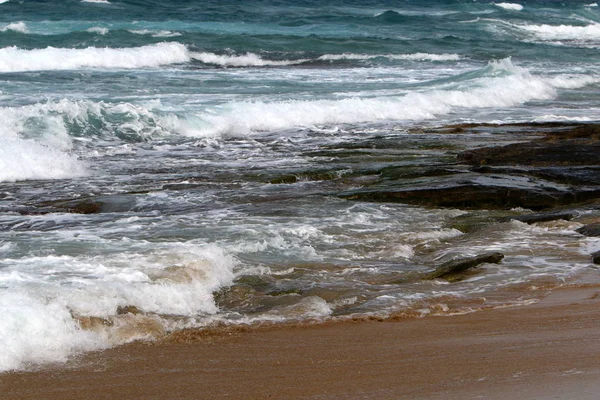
[550,350]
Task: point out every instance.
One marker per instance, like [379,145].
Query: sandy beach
[548,350]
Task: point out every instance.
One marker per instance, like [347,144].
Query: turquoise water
[214,138]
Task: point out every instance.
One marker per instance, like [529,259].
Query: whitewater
[170,165]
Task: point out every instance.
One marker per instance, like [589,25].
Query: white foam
[592,5]
[414,56]
[245,60]
[99,30]
[510,6]
[4,1]
[96,1]
[37,330]
[16,27]
[13,59]
[26,159]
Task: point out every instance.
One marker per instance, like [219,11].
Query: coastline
[541,351]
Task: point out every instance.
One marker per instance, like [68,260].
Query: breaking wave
[501,84]
[53,322]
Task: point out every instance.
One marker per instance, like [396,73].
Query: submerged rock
[450,269]
[596,257]
[457,266]
[121,310]
[544,217]
[558,169]
[590,230]
[475,196]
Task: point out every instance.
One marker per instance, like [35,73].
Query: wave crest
[20,27]
[13,59]
[510,6]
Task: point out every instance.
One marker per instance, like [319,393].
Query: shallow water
[214,145]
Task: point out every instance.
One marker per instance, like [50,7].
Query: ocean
[183,164]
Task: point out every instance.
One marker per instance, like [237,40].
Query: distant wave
[510,6]
[99,30]
[13,59]
[255,60]
[161,33]
[244,60]
[564,32]
[96,1]
[414,56]
[577,35]
[16,27]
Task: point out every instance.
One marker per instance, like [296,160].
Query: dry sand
[550,350]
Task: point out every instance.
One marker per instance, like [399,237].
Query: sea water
[215,137]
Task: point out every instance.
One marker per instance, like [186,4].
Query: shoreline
[539,351]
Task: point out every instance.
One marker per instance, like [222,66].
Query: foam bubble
[16,27]
[13,59]
[510,6]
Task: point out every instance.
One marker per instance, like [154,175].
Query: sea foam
[27,159]
[13,59]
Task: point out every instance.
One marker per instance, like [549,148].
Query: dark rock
[596,257]
[474,196]
[543,217]
[237,297]
[576,146]
[590,230]
[404,172]
[128,310]
[457,266]
[85,207]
